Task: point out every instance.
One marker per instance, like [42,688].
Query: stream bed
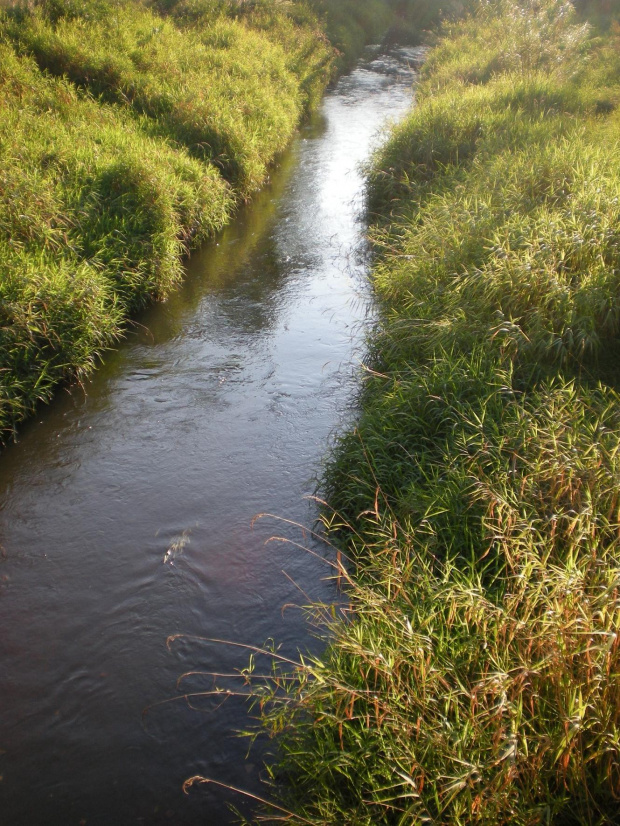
[127,507]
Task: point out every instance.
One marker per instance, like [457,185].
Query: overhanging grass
[351,24]
[94,218]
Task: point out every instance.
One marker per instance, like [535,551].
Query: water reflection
[127,506]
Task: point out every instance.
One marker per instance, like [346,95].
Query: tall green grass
[222,89]
[94,218]
[475,676]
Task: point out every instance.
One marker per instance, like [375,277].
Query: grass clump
[524,255]
[503,37]
[222,89]
[94,218]
[475,676]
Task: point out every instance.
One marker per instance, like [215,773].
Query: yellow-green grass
[94,218]
[293,26]
[222,89]
[475,676]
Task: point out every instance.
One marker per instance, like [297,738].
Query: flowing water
[127,506]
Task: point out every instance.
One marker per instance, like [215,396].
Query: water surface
[127,506]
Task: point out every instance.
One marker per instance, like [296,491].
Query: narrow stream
[127,506]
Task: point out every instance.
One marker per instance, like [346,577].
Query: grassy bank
[475,676]
[128,133]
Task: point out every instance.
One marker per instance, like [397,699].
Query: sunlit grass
[94,218]
[222,90]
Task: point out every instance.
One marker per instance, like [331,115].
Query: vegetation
[129,129]
[475,676]
[184,79]
[94,217]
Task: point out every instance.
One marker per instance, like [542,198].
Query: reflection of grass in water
[220,265]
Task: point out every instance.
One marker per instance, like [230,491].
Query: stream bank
[475,675]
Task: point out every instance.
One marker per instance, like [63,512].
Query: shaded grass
[350,25]
[474,677]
